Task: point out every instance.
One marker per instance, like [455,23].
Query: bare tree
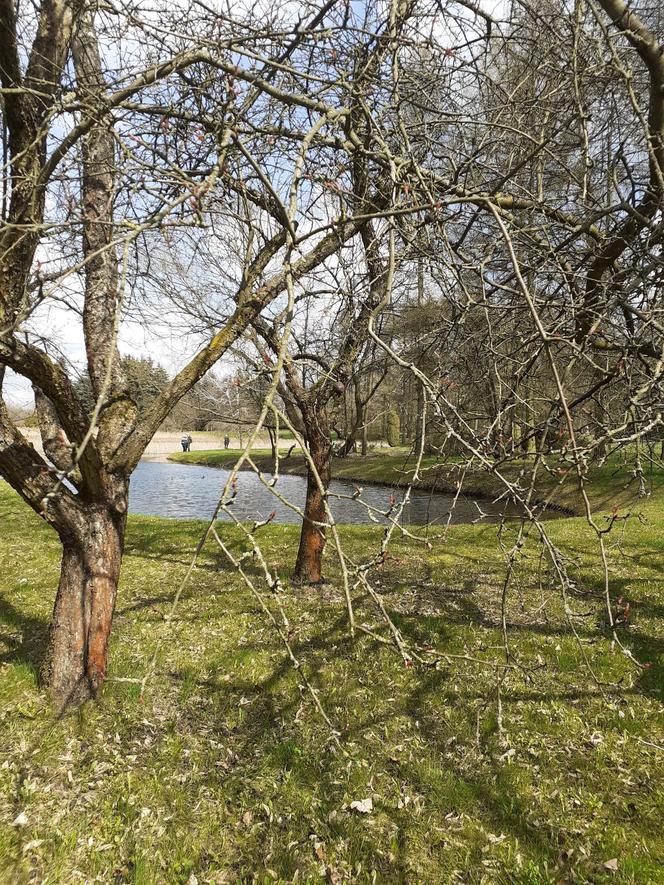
[257,136]
[226,122]
[308,395]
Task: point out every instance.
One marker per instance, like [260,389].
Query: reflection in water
[186,491]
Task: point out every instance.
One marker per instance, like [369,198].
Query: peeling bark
[309,563]
[83,613]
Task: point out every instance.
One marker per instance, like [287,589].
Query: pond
[189,491]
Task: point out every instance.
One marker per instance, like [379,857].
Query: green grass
[227,457]
[224,770]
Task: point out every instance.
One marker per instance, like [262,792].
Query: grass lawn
[224,772]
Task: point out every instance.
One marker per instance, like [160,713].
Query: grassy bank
[613,484]
[223,770]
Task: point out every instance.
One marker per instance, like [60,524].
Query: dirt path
[163,443]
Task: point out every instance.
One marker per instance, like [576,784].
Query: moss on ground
[223,771]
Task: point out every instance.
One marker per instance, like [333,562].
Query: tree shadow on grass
[260,738]
[269,721]
[173,549]
[30,647]
[258,718]
[455,608]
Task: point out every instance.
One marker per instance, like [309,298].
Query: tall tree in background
[540,182]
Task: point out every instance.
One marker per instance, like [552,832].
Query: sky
[164,345]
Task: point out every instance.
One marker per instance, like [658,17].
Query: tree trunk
[359,424]
[83,614]
[348,445]
[528,440]
[600,422]
[309,563]
[418,443]
[273,447]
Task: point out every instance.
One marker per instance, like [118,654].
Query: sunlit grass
[224,770]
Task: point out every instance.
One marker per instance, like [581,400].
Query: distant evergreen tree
[145,378]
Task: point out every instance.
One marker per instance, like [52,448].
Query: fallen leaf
[362,806]
[508,755]
[332,876]
[496,840]
[611,865]
[22,820]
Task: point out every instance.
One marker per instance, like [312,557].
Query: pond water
[189,491]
